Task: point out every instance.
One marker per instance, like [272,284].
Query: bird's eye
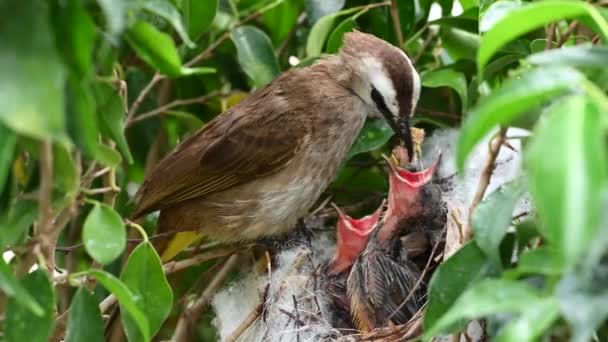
[379,101]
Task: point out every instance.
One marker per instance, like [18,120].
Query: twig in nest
[484,180]
[253,315]
[193,313]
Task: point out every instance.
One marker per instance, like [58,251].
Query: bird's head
[384,78]
[352,237]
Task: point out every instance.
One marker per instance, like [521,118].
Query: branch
[564,38]
[486,175]
[173,104]
[253,315]
[193,313]
[142,95]
[397,22]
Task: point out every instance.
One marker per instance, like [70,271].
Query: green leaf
[108,156]
[583,299]
[533,321]
[493,216]
[460,44]
[16,222]
[281,20]
[33,77]
[335,39]
[497,11]
[103,234]
[21,324]
[198,15]
[166,10]
[508,102]
[255,54]
[544,260]
[567,187]
[111,111]
[114,11]
[576,56]
[11,287]
[81,119]
[158,50]
[126,299]
[374,134]
[317,9]
[321,30]
[467,266]
[143,274]
[448,78]
[533,16]
[406,10]
[8,141]
[66,179]
[85,322]
[74,35]
[486,297]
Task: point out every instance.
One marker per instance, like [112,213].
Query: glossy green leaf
[126,299]
[281,20]
[15,223]
[11,287]
[82,120]
[533,320]
[567,187]
[114,12]
[166,10]
[460,44]
[108,156]
[583,300]
[21,324]
[335,39]
[255,54]
[316,9]
[544,260]
[198,15]
[373,135]
[8,141]
[321,30]
[111,113]
[85,322]
[467,266]
[406,10]
[533,16]
[103,234]
[493,216]
[486,297]
[575,56]
[448,78]
[497,11]
[33,76]
[510,101]
[75,35]
[158,50]
[143,274]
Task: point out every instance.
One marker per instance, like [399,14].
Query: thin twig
[193,313]
[45,212]
[253,315]
[427,42]
[142,95]
[571,28]
[486,175]
[171,105]
[550,36]
[396,22]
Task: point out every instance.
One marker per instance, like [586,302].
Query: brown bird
[257,168]
[383,276]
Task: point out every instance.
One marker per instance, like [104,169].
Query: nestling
[257,168]
[383,276]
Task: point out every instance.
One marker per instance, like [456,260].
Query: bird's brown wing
[234,148]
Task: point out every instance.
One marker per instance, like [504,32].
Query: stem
[396,22]
[139,228]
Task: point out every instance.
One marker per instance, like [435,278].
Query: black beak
[402,130]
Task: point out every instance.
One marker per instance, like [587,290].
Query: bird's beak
[352,237]
[401,127]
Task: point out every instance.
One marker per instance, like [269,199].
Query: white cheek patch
[373,69]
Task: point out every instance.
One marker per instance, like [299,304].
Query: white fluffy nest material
[296,309]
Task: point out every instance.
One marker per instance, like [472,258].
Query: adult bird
[254,170]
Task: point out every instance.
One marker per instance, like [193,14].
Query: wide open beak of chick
[405,187]
[352,237]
